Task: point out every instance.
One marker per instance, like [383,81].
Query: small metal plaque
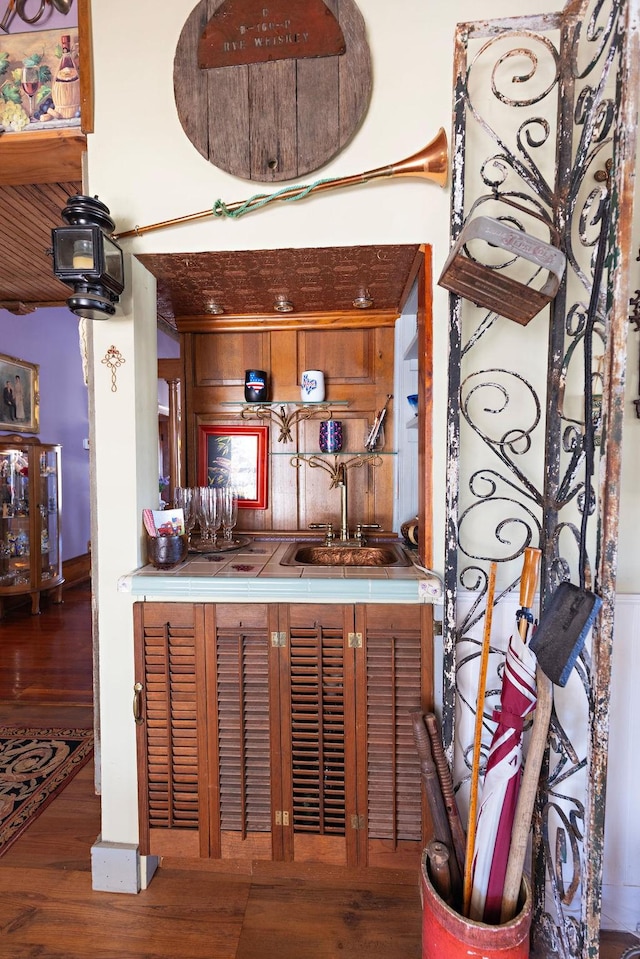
[246,31]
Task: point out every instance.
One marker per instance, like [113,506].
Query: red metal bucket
[446,933]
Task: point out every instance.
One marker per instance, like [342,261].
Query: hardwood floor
[189,911]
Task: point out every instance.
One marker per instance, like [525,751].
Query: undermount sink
[305,555]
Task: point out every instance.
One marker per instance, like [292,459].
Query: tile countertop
[253,573]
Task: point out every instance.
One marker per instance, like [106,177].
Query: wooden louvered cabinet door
[282,732]
[317,718]
[172,740]
[243,730]
[395,675]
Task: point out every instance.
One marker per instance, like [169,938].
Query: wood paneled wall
[358,367]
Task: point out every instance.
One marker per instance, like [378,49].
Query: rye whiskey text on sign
[248,31]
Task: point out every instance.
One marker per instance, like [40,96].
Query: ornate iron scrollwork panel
[542,117]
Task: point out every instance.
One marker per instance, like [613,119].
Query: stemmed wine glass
[209,514]
[203,509]
[30,84]
[185,499]
[215,513]
[229,511]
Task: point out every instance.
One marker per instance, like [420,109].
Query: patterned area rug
[35,765]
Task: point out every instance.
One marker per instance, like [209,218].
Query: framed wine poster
[39,81]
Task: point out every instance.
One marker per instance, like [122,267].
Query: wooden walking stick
[438,856]
[477,743]
[434,797]
[446,786]
[526,797]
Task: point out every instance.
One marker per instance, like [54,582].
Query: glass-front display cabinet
[30,504]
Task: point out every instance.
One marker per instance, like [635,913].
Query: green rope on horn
[259,200]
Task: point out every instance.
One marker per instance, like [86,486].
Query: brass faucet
[341,483]
[338,473]
[344,539]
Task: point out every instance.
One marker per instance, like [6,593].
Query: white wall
[146,170]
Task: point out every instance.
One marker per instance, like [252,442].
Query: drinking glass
[185,499]
[215,513]
[203,512]
[229,511]
[180,497]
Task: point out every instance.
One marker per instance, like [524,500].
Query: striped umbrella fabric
[502,783]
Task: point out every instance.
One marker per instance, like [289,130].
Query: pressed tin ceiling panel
[315,280]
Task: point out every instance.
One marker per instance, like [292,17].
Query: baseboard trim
[76,570]
[620,908]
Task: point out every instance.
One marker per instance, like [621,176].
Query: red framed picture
[235,456]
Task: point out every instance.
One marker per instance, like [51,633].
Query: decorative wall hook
[113,359]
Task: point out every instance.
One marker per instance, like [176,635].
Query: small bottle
[65,89]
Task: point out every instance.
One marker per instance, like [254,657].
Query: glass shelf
[276,403]
[362,453]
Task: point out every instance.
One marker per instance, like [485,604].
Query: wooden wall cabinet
[358,365]
[282,732]
[30,503]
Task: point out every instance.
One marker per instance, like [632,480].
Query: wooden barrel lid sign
[270,91]
[240,32]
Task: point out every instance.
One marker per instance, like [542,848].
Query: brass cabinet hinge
[278,639]
[357,822]
[355,640]
[282,817]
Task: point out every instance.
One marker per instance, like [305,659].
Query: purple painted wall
[168,347]
[49,337]
[51,18]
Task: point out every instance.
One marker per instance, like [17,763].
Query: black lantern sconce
[88,259]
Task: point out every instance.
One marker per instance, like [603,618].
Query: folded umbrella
[504,763]
[501,783]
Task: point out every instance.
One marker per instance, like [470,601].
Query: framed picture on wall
[40,82]
[20,406]
[235,456]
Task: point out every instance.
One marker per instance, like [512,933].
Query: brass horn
[430,163]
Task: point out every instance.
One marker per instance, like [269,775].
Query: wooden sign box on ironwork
[492,288]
